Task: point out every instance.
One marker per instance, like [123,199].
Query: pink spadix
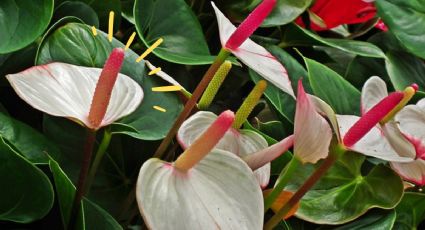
[371,118]
[105,84]
[206,142]
[250,24]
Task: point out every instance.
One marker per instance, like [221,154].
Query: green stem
[107,135]
[308,184]
[82,179]
[190,104]
[282,181]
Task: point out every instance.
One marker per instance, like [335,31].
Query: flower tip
[225,119]
[415,86]
[250,24]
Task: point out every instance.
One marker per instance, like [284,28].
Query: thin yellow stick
[150,49]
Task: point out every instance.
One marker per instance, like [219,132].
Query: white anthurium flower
[254,56]
[411,127]
[240,142]
[66,90]
[312,133]
[203,188]
[405,133]
[373,143]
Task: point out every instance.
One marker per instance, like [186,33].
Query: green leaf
[91,217]
[332,88]
[283,103]
[22,22]
[410,211]
[16,61]
[286,11]
[405,19]
[405,69]
[362,68]
[102,8]
[77,9]
[27,141]
[26,193]
[374,219]
[344,193]
[174,21]
[297,36]
[82,48]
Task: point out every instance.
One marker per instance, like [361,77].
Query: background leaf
[26,193]
[410,211]
[22,22]
[175,22]
[405,19]
[333,89]
[286,11]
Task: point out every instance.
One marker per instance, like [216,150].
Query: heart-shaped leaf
[286,11]
[30,143]
[219,192]
[91,217]
[405,69]
[344,193]
[410,211]
[77,9]
[83,48]
[22,22]
[26,194]
[374,219]
[332,88]
[297,36]
[175,22]
[405,19]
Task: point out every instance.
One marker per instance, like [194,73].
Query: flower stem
[190,104]
[308,184]
[107,135]
[82,179]
[283,179]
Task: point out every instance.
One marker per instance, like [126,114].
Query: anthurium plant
[236,114]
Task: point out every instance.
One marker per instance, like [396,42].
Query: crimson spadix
[405,134]
[203,188]
[250,53]
[66,90]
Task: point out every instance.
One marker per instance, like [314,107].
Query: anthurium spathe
[203,188]
[312,132]
[66,90]
[336,12]
[250,53]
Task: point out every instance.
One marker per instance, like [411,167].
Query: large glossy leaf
[85,49]
[344,193]
[26,193]
[91,216]
[283,103]
[405,69]
[410,211]
[374,219]
[332,88]
[22,22]
[405,19]
[27,141]
[297,36]
[286,11]
[77,9]
[175,22]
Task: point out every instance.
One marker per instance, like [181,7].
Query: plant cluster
[118,115]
